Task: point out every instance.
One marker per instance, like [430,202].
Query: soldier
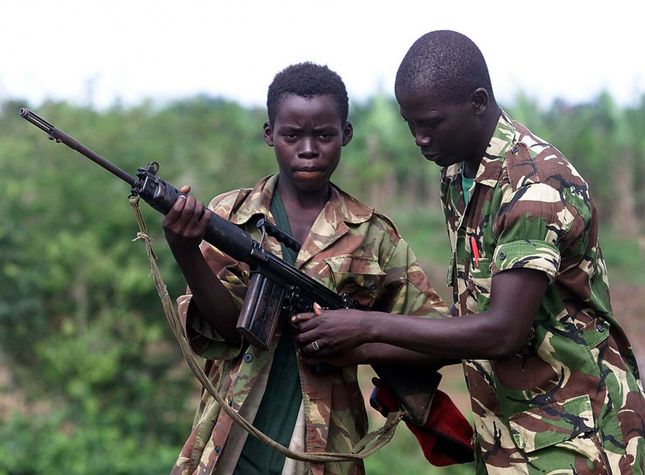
[346,245]
[552,377]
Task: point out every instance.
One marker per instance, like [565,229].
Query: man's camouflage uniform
[570,401]
[351,249]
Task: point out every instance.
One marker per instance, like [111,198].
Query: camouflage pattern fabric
[570,401]
[351,248]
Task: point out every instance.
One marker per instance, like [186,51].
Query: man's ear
[480,100]
[348,133]
[267,134]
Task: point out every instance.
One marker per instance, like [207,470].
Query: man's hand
[327,335]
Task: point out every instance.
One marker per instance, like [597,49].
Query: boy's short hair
[307,80]
[448,62]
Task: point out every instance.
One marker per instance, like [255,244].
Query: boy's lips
[309,169]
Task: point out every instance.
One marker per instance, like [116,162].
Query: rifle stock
[276,288]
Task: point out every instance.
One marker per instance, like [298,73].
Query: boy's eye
[326,134]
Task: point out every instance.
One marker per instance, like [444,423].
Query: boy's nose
[308,149]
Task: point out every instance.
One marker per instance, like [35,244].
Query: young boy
[552,377]
[346,245]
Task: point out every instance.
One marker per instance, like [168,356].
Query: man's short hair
[447,62]
[307,80]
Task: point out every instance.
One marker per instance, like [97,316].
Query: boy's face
[445,132]
[307,136]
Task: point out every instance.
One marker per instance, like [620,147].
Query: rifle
[275,287]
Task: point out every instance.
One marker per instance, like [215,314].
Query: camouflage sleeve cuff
[204,339]
[527,254]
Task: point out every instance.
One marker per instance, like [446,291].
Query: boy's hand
[186,222]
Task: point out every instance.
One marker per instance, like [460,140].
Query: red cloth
[446,436]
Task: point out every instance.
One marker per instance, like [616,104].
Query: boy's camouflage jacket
[570,401]
[350,248]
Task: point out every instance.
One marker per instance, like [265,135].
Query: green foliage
[95,379]
[624,257]
[57,444]
[605,144]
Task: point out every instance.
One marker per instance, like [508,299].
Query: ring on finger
[315,345]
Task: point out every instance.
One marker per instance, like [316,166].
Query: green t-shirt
[278,411]
[467,185]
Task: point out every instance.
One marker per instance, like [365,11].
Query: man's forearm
[382,353]
[498,332]
[443,338]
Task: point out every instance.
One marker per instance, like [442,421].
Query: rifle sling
[363,448]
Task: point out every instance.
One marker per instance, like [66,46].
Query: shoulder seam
[389,221]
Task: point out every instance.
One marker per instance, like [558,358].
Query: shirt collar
[340,208]
[257,201]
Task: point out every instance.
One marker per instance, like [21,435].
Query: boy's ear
[348,133]
[267,134]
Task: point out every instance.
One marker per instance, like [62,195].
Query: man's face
[446,132]
[308,136]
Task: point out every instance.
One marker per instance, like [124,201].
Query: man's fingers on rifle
[185,189]
[301,317]
[304,339]
[312,348]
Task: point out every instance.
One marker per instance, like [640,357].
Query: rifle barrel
[60,136]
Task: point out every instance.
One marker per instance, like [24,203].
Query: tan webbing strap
[364,447]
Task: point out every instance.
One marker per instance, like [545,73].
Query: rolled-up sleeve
[527,254]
